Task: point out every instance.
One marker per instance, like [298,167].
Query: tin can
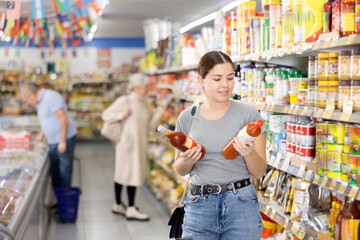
[344,166]
[293,133]
[307,135]
[282,147]
[354,139]
[288,136]
[297,150]
[306,153]
[347,138]
[321,161]
[336,132]
[321,133]
[358,172]
[351,169]
[334,161]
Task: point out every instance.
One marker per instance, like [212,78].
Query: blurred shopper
[222,202]
[131,149]
[58,129]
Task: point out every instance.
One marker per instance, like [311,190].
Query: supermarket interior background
[296,61]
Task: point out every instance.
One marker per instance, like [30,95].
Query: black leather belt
[216,189]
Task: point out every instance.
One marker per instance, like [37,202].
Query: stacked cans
[300,140]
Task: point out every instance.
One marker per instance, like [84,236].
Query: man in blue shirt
[57,127]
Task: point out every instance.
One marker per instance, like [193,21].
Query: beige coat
[131,150]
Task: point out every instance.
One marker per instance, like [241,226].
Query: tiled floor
[95,220]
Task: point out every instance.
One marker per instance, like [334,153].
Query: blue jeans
[62,163]
[229,215]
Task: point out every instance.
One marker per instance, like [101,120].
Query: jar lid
[334,147]
[311,58]
[345,53]
[355,83]
[333,54]
[311,83]
[355,52]
[323,55]
[344,83]
[316,57]
[333,83]
[323,83]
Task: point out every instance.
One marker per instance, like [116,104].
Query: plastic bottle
[180,141]
[237,86]
[332,211]
[350,222]
[327,16]
[336,213]
[336,16]
[338,222]
[347,18]
[249,132]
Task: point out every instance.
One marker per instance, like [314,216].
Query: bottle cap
[259,123]
[160,128]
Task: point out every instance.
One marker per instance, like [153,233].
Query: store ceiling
[124,18]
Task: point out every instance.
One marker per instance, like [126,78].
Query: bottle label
[245,136]
[357,13]
[349,22]
[350,229]
[188,143]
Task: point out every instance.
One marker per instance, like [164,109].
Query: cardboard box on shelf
[324,236]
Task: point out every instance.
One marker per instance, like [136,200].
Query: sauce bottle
[336,16]
[347,17]
[332,211]
[327,16]
[180,141]
[249,132]
[350,222]
[338,222]
[336,213]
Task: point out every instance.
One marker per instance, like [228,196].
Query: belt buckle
[219,187]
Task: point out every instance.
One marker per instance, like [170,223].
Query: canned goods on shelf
[334,155]
[336,133]
[321,161]
[354,143]
[322,133]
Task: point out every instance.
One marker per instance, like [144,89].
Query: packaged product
[298,204]
[271,188]
[266,179]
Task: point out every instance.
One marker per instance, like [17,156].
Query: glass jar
[316,68]
[344,65]
[332,94]
[311,94]
[322,96]
[293,98]
[347,18]
[355,64]
[323,66]
[311,67]
[355,95]
[336,16]
[333,65]
[302,97]
[344,93]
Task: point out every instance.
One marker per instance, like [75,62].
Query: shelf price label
[286,223]
[308,175]
[290,110]
[267,107]
[326,44]
[347,110]
[286,109]
[267,210]
[329,110]
[332,185]
[353,191]
[272,106]
[272,159]
[316,178]
[295,110]
[294,228]
[286,162]
[273,213]
[304,111]
[277,160]
[301,171]
[324,181]
[351,39]
[342,187]
[318,113]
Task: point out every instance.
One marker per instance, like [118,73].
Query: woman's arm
[254,154]
[116,111]
[184,161]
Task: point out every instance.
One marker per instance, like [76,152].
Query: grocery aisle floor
[95,219]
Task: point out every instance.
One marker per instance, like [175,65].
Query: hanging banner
[13,9]
[38,9]
[62,6]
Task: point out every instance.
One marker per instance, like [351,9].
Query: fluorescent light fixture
[210,17]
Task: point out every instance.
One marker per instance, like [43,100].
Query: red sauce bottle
[180,141]
[249,132]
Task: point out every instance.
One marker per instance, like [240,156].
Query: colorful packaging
[334,161]
[354,139]
[312,19]
[336,133]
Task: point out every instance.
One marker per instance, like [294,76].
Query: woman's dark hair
[210,59]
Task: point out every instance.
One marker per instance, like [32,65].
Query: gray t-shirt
[214,168]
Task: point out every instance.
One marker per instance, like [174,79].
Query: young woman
[222,202]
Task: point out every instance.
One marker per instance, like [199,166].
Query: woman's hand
[244,149]
[191,156]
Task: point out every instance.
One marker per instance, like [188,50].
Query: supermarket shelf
[173,70]
[274,212]
[307,111]
[164,86]
[309,175]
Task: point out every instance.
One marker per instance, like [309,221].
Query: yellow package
[298,204]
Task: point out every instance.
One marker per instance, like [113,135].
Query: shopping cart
[68,200]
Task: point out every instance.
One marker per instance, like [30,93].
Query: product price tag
[267,210]
[286,162]
[347,110]
[272,216]
[271,161]
[302,234]
[289,50]
[342,187]
[295,110]
[333,42]
[277,160]
[318,113]
[324,181]
[316,45]
[301,171]
[286,223]
[316,179]
[272,106]
[304,111]
[308,175]
[329,110]
[294,228]
[267,107]
[353,191]
[351,39]
[326,44]
[332,185]
[290,110]
[285,109]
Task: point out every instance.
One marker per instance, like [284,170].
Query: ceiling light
[210,17]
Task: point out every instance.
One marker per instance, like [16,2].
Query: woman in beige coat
[131,149]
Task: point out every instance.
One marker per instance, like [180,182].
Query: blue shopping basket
[68,202]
